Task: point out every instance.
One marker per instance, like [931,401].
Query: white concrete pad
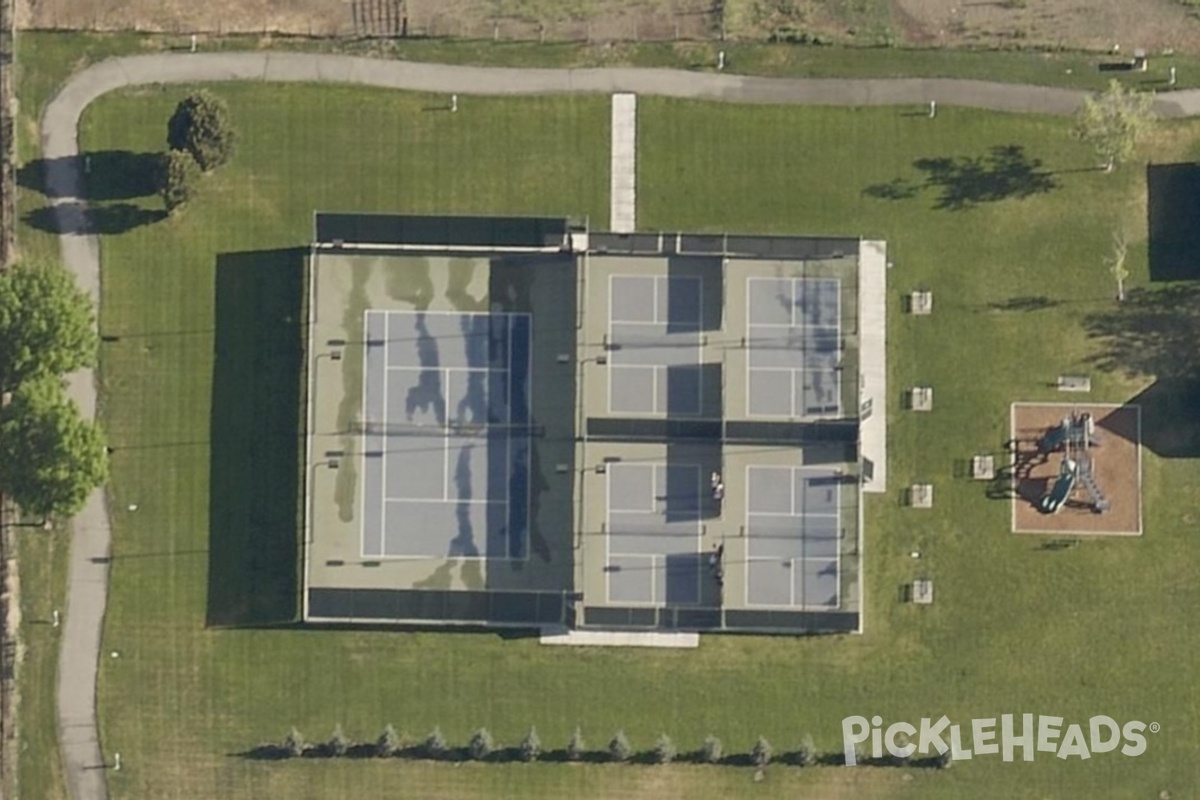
[623,184]
[872,316]
[559,636]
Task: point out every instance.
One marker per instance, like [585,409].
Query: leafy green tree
[531,746]
[619,749]
[293,744]
[47,325]
[481,744]
[762,753]
[435,744]
[576,746]
[201,126]
[388,743]
[338,743]
[178,179]
[712,751]
[1113,121]
[51,458]
[665,750]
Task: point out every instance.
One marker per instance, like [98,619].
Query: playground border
[1014,494]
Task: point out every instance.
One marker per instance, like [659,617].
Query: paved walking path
[88,579]
[622,192]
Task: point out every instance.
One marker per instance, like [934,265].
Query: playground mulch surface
[1117,466]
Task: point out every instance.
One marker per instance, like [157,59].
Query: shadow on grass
[106,174]
[255,439]
[1025,303]
[1173,207]
[76,218]
[1154,333]
[1006,171]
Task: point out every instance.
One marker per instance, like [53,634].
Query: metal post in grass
[1171,80]
[453,102]
[932,109]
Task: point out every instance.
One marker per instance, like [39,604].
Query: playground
[1076,469]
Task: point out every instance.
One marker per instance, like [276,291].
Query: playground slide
[1061,490]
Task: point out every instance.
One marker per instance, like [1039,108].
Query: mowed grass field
[988,210]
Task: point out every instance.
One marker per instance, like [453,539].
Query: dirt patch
[526,20]
[1117,467]
[1156,25]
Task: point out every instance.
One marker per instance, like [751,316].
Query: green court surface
[201,397]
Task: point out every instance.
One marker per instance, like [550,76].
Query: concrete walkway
[622,191]
[88,578]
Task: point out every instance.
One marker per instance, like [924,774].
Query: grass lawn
[982,208]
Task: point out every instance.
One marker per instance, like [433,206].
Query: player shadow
[964,182]
[255,441]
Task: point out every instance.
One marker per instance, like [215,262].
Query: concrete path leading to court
[88,577]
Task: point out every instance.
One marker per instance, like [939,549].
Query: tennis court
[446,434]
[654,342]
[793,524]
[654,532]
[794,338]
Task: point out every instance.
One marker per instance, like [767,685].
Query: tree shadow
[105,174]
[80,219]
[1173,209]
[1154,334]
[255,439]
[1006,171]
[1025,303]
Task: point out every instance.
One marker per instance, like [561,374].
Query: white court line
[438,501]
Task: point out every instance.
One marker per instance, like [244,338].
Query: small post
[54,618]
[116,762]
[193,42]
[1171,80]
[720,60]
[932,109]
[453,102]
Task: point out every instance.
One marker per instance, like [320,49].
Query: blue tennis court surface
[793,523]
[446,435]
[654,339]
[653,530]
[794,337]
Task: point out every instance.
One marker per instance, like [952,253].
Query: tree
[1116,264]
[576,747]
[50,457]
[338,744]
[618,748]
[762,753]
[664,750]
[806,756]
[202,127]
[388,744]
[293,744]
[435,744]
[531,746]
[1113,121]
[47,326]
[712,750]
[177,179]
[481,744]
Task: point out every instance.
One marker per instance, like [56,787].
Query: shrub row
[483,747]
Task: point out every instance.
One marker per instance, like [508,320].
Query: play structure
[1075,437]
